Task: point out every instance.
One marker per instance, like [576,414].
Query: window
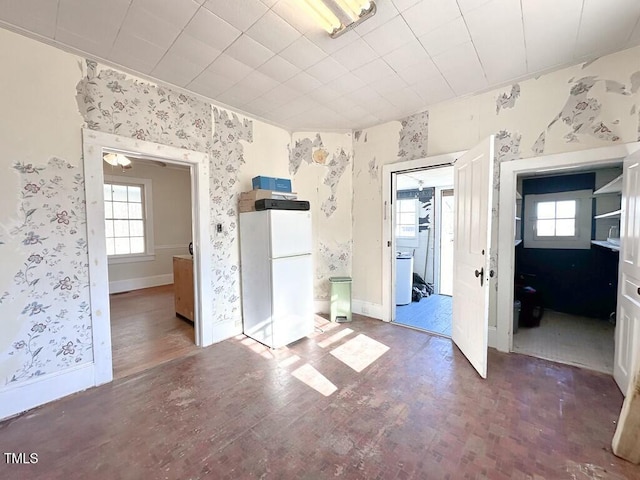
[407,222]
[127,223]
[558,220]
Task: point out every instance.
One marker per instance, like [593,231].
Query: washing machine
[404,278]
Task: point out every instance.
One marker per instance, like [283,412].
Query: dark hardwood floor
[145,330]
[364,400]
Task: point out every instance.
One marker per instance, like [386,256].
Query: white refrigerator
[277,276]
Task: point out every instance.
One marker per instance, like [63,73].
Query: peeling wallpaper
[227,158]
[50,286]
[112,102]
[584,106]
[321,168]
[45,326]
[413,137]
[508,100]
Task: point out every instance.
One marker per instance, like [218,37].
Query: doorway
[95,144]
[627,314]
[148,226]
[566,268]
[423,238]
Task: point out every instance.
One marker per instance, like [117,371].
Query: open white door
[473,186]
[627,343]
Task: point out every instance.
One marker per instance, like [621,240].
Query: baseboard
[493,337]
[373,310]
[322,306]
[23,396]
[118,286]
[225,330]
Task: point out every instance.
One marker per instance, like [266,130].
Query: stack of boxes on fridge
[263,188]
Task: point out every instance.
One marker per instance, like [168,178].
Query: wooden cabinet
[183,285]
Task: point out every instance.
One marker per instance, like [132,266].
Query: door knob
[480,273]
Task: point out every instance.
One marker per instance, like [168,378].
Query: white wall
[46,326]
[171,210]
[575,108]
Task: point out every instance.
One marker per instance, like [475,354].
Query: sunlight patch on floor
[257,347]
[286,362]
[313,378]
[359,352]
[335,337]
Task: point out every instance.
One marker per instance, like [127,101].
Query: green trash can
[340,299]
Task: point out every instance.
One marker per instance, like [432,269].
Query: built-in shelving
[518,242]
[605,244]
[614,186]
[518,196]
[518,218]
[614,214]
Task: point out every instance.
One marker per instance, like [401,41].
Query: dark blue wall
[580,282]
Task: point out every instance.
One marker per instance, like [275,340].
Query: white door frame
[388,217]
[438,239]
[509,172]
[93,143]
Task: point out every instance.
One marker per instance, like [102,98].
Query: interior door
[473,186]
[627,340]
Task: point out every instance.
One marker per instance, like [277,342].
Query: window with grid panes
[407,222]
[556,219]
[125,221]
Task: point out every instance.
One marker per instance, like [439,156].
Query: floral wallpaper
[111,102]
[333,260]
[313,152]
[337,165]
[413,136]
[508,100]
[227,157]
[507,148]
[50,288]
[538,146]
[582,111]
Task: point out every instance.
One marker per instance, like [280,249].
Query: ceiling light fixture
[339,16]
[117,160]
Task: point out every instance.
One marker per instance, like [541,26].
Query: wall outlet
[219,227]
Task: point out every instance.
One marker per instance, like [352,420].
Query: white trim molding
[23,396]
[389,172]
[94,143]
[322,306]
[119,286]
[368,309]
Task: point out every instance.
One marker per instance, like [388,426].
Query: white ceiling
[269,59]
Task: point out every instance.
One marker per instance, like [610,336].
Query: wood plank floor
[365,400]
[432,314]
[145,330]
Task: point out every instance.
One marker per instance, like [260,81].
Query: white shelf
[518,218]
[605,244]
[518,242]
[614,186]
[518,196]
[614,214]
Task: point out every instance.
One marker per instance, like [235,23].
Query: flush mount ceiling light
[339,16]
[117,160]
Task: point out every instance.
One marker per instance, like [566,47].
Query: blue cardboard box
[271,183]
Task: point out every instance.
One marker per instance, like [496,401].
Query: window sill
[118,259]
